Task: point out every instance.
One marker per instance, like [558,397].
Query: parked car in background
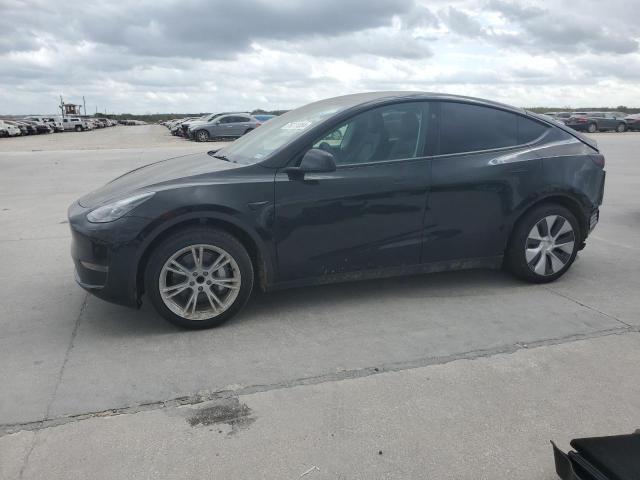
[633,121]
[75,124]
[596,122]
[56,125]
[41,127]
[225,126]
[24,130]
[560,116]
[412,183]
[206,119]
[30,129]
[8,129]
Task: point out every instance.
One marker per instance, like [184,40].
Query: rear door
[368,214]
[482,171]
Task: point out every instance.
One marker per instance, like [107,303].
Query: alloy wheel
[199,282]
[203,136]
[550,245]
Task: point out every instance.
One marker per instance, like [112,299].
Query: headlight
[115,210]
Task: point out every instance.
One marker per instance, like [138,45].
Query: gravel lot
[455,375]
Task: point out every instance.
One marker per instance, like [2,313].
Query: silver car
[233,125]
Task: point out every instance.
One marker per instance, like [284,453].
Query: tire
[228,300]
[592,128]
[539,261]
[621,128]
[202,136]
[247,131]
[78,128]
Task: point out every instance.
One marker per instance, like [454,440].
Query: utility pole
[84,106]
[62,106]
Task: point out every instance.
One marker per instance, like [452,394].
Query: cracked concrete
[83,375]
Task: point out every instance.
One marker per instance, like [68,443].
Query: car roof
[356,99]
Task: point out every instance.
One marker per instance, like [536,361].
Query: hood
[154,175]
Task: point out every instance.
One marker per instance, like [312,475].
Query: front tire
[543,244]
[592,128]
[199,278]
[202,136]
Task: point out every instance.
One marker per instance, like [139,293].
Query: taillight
[258,124]
[582,119]
[598,159]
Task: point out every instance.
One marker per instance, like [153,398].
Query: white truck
[75,123]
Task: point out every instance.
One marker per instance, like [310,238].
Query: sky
[162,56]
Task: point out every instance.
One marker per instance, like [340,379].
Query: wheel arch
[260,257]
[567,201]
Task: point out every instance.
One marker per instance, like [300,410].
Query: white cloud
[197,55]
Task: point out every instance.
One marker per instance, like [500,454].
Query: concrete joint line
[8,429]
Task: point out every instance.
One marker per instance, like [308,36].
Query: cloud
[206,55]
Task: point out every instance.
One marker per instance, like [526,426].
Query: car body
[189,127]
[41,127]
[354,187]
[633,121]
[8,129]
[24,130]
[26,127]
[232,125]
[55,124]
[560,116]
[596,122]
[77,124]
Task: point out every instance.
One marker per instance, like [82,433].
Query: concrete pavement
[68,359]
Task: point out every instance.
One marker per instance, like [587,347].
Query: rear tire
[247,131]
[209,310]
[78,128]
[621,128]
[592,128]
[544,243]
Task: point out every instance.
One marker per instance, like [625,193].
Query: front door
[366,215]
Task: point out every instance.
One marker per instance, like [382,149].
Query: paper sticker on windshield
[296,125]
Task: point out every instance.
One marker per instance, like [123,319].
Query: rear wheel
[544,244]
[199,278]
[202,136]
[247,131]
[78,128]
[621,127]
[592,128]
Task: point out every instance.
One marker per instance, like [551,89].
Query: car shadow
[109,319]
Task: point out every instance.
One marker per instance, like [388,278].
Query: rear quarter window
[529,130]
[468,128]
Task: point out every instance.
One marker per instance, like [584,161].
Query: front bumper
[106,255]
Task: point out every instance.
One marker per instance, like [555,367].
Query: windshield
[282,130]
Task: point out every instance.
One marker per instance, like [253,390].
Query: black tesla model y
[353,187]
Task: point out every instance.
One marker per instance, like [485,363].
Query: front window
[392,132]
[282,130]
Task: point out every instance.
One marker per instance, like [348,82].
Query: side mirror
[314,161]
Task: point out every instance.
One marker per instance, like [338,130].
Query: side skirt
[484,263]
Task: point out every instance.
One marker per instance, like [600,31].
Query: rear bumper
[581,127]
[105,256]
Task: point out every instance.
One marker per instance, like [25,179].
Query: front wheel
[199,278]
[592,128]
[202,136]
[544,244]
